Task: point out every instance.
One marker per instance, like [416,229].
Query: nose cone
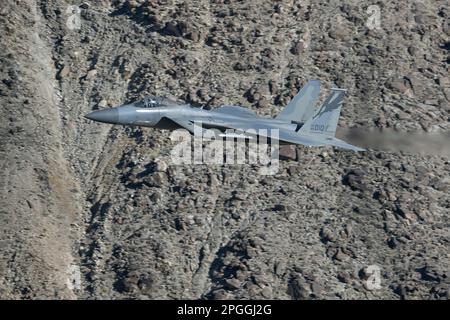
[107,115]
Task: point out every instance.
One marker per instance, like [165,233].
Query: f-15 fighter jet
[297,123]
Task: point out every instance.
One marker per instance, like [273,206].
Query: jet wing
[189,124]
[252,129]
[284,135]
[184,123]
[256,128]
[236,110]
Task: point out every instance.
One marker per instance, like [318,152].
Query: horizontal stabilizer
[343,145]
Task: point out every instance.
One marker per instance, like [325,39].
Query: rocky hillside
[93,211]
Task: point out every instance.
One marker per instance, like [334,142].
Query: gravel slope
[91,211]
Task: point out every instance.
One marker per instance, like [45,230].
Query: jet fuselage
[155,117]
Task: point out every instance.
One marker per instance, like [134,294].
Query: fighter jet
[297,123]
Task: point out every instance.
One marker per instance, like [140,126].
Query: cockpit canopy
[153,102]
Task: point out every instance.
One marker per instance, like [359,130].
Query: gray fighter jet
[298,123]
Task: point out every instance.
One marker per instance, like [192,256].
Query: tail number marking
[319,127]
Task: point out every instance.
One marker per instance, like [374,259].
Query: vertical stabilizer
[324,122]
[301,107]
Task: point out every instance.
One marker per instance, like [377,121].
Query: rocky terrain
[94,211]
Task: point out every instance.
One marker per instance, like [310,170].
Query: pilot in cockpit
[149,102]
[152,102]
